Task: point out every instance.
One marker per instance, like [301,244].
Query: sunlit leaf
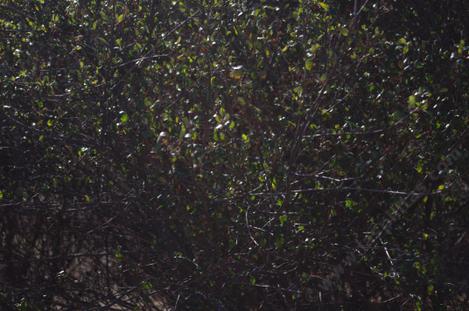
[309,64]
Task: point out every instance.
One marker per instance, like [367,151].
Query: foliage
[227,155]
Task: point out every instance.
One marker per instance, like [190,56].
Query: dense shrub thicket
[229,154]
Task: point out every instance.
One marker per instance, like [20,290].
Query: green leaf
[309,64]
[349,203]
[274,184]
[315,47]
[300,228]
[324,5]
[283,219]
[245,138]
[124,118]
[419,167]
[412,101]
[430,289]
[323,78]
[147,285]
[298,90]
[461,47]
[120,18]
[118,255]
[344,32]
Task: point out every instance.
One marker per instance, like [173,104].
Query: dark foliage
[230,155]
